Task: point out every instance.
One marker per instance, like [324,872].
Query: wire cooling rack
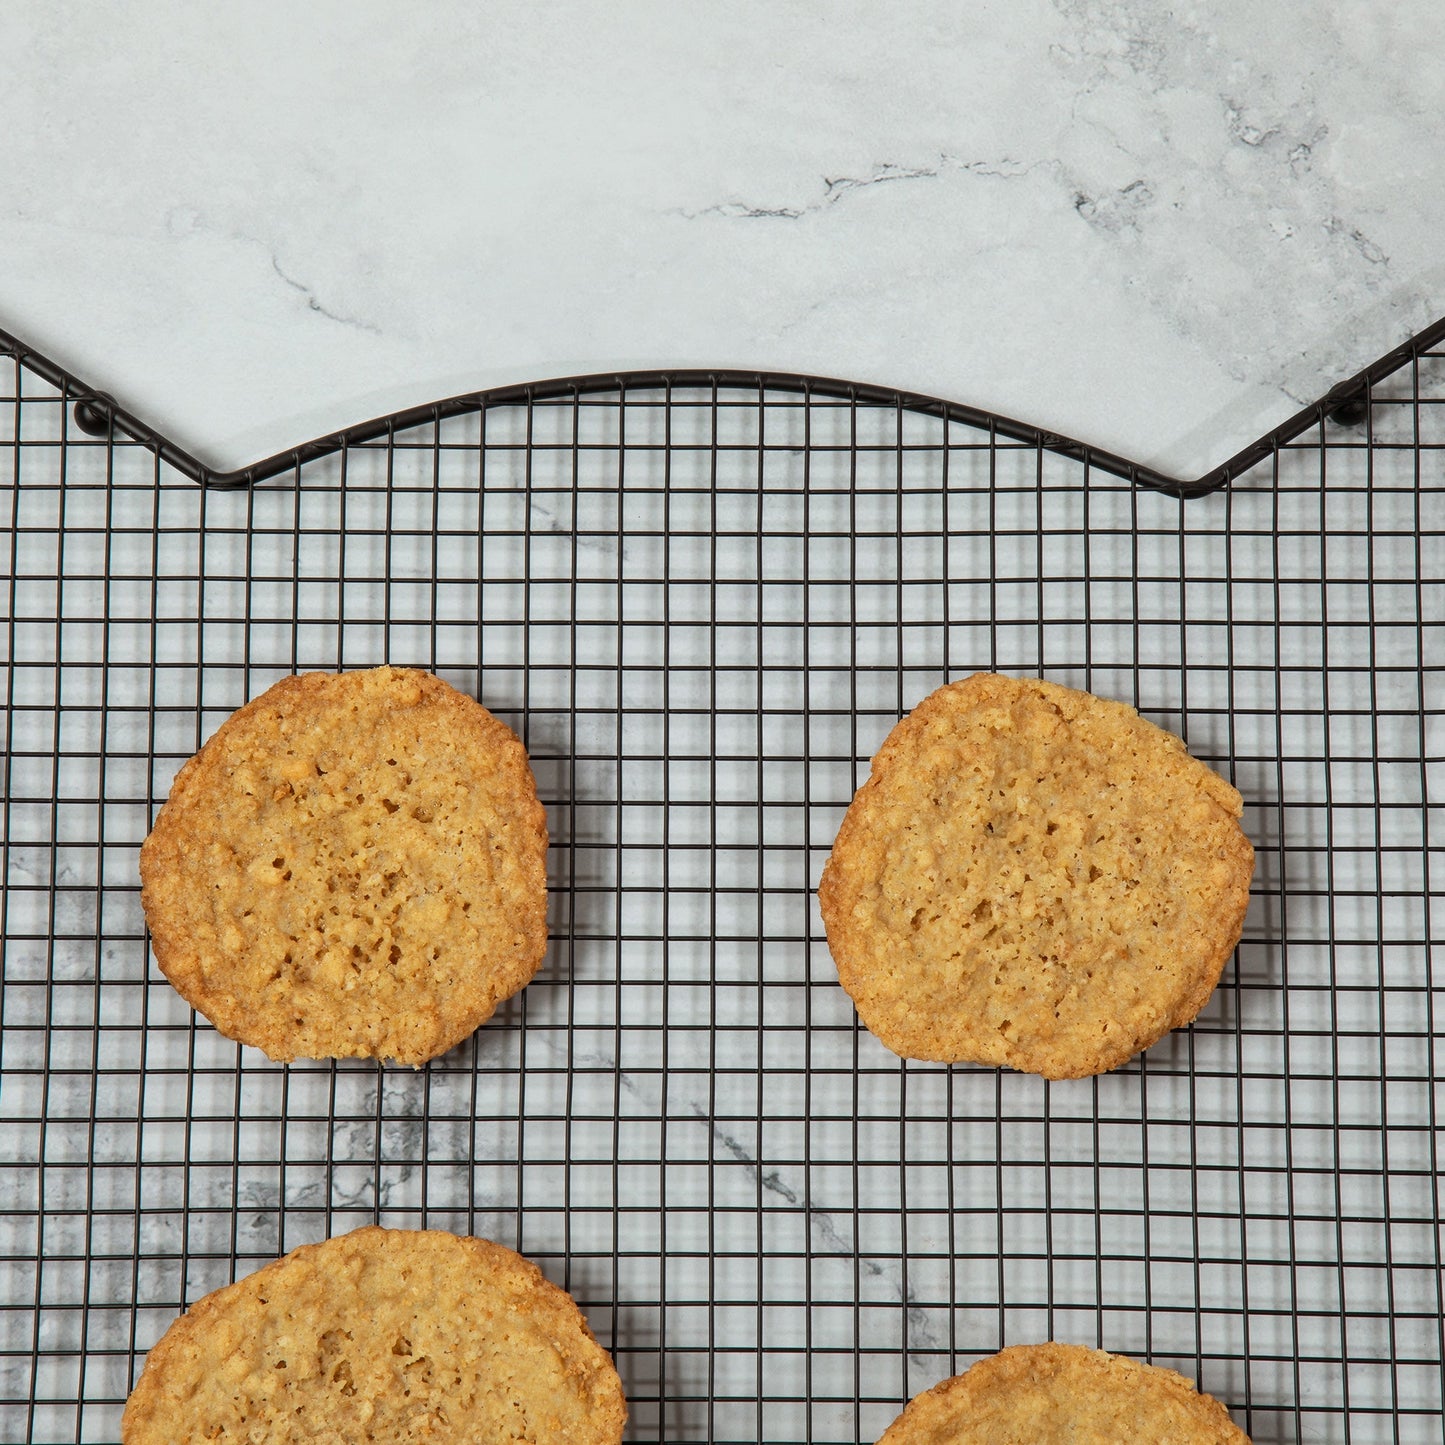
[703,608]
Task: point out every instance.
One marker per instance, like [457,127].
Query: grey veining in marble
[1157,227]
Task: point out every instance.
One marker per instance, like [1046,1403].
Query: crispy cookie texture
[1051,1394]
[1034,877]
[394,1336]
[355,865]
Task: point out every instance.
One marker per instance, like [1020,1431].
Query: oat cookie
[1036,877]
[1042,1394]
[353,866]
[388,1335]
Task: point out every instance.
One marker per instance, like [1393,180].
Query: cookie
[1034,877]
[353,866]
[1040,1394]
[387,1335]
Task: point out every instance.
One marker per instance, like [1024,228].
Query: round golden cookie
[1036,877]
[353,866]
[387,1335]
[1051,1394]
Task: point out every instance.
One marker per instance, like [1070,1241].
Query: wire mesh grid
[703,609]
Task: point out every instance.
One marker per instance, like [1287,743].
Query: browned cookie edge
[177,827]
[150,1412]
[838,890]
[930,1417]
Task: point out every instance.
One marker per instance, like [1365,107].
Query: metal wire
[703,608]
[96,413]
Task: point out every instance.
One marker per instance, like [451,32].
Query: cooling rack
[703,604]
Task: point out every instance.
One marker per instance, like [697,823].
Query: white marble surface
[1157,227]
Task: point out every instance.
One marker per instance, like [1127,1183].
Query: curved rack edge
[98,414]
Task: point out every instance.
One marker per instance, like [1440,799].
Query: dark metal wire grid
[703,608]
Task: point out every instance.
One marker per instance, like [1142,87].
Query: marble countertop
[1160,228]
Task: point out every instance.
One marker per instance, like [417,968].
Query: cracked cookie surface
[388,1335]
[353,866]
[1034,877]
